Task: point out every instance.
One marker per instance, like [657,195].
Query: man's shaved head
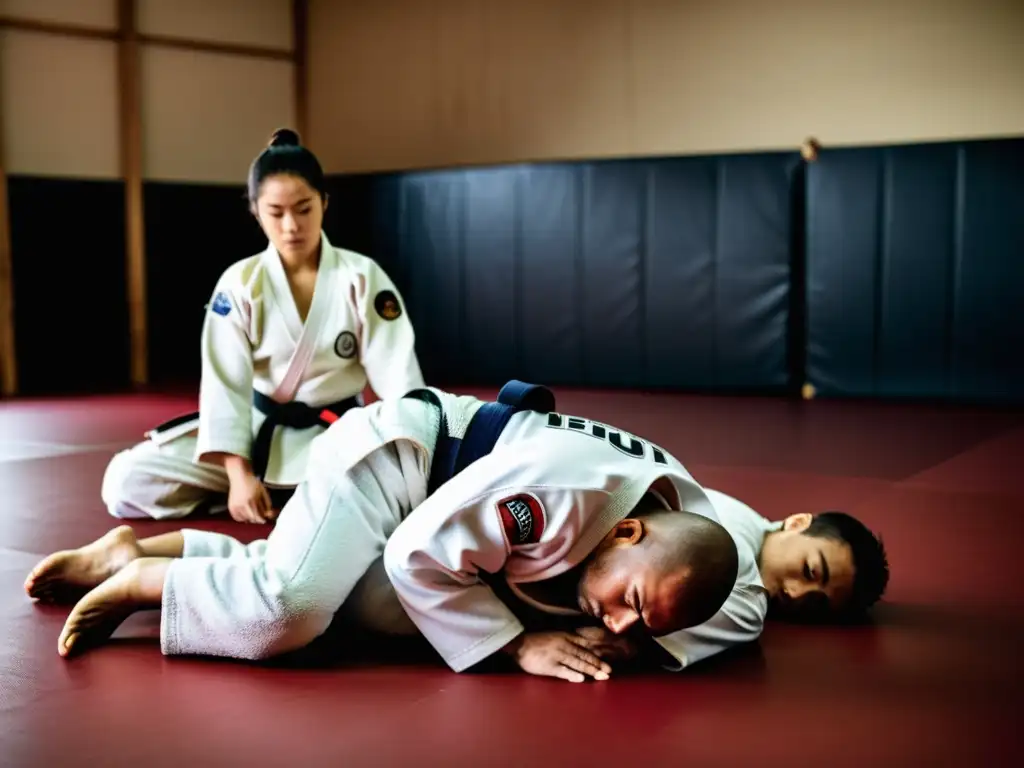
[659,569]
[703,555]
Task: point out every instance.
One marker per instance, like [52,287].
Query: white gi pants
[162,482]
[278,595]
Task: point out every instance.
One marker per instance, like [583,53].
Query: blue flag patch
[221,304]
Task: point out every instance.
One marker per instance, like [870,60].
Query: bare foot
[95,617]
[67,575]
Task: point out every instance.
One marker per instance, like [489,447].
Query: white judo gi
[533,508]
[253,339]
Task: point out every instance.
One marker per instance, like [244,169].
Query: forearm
[465,624]
[237,467]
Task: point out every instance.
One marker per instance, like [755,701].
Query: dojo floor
[936,681]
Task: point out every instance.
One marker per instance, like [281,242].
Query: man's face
[624,586]
[808,577]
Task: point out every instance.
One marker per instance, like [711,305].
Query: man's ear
[798,522]
[626,532]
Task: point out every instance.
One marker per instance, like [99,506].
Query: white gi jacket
[357,331]
[535,507]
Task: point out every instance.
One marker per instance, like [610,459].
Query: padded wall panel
[551,310]
[988,328]
[388,230]
[682,211]
[193,233]
[915,271]
[752,271]
[491,301]
[843,199]
[434,227]
[70,313]
[638,273]
[613,293]
[915,261]
[348,220]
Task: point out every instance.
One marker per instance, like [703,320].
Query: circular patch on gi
[522,517]
[345,345]
[387,306]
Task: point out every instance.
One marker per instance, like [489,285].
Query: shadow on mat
[344,647]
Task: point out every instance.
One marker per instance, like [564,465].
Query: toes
[65,644]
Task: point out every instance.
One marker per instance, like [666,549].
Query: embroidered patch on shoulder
[221,304]
[522,517]
[387,306]
[345,345]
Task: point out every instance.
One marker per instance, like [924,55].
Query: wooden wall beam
[166,41]
[130,108]
[188,44]
[300,27]
[8,356]
[130,120]
[57,28]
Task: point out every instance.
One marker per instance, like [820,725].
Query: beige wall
[59,106]
[406,83]
[90,13]
[415,83]
[204,115]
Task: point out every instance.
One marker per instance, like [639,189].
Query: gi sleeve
[388,351]
[435,556]
[740,620]
[225,392]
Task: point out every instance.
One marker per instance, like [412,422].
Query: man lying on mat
[819,568]
[439,491]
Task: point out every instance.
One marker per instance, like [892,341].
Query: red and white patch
[522,517]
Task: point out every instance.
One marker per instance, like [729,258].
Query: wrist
[512,647]
[238,468]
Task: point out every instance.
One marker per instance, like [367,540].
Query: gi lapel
[323,300]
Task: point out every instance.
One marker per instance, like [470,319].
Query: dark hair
[870,564]
[285,154]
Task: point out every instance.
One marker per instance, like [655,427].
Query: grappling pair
[401,511]
[406,504]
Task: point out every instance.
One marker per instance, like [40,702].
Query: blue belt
[452,454]
[295,415]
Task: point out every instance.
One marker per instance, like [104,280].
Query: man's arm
[435,557]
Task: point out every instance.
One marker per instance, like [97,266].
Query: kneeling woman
[291,338]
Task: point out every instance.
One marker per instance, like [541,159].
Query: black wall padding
[915,270]
[548,293]
[638,273]
[193,233]
[68,268]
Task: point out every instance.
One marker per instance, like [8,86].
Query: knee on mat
[293,613]
[130,491]
[116,479]
[292,628]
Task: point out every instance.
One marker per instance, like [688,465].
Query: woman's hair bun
[284,137]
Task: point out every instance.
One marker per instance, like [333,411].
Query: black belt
[295,415]
[452,454]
